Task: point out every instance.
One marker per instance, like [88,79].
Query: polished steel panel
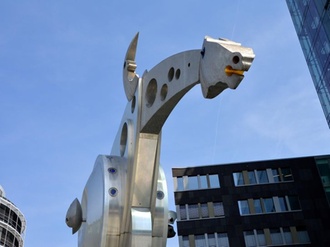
[125,200]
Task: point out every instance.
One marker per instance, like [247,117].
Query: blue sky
[62,99]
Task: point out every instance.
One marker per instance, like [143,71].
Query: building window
[214,181]
[200,241]
[257,206]
[250,240]
[243,207]
[269,205]
[183,212]
[185,241]
[286,174]
[287,235]
[261,239]
[212,240]
[204,210]
[222,240]
[218,209]
[276,175]
[252,177]
[283,204]
[302,235]
[294,203]
[192,183]
[200,211]
[193,211]
[276,236]
[198,182]
[238,178]
[203,182]
[179,184]
[262,176]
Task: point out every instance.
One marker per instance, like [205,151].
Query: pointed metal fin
[130,78]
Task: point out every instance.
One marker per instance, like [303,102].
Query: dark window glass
[276,175]
[250,240]
[204,210]
[214,181]
[262,176]
[200,241]
[183,212]
[193,211]
[269,205]
[276,236]
[261,238]
[287,235]
[283,204]
[223,240]
[257,206]
[287,175]
[238,178]
[294,203]
[192,183]
[179,183]
[211,239]
[252,177]
[185,241]
[218,209]
[244,207]
[302,235]
[203,181]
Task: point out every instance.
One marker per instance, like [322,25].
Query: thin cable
[236,14]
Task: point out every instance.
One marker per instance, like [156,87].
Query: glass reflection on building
[311,19]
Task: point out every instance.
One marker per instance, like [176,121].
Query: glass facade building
[283,202]
[12,223]
[311,19]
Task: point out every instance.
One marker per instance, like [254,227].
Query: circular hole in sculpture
[235,59]
[123,139]
[151,92]
[177,74]
[188,64]
[163,92]
[160,195]
[112,170]
[113,191]
[133,104]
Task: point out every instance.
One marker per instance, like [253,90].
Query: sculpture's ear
[130,78]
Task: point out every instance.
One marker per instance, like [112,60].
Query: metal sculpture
[124,202]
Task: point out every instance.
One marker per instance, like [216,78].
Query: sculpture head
[222,65]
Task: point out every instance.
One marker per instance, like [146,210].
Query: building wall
[311,19]
[307,221]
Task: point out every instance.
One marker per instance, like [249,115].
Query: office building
[311,19]
[262,203]
[12,223]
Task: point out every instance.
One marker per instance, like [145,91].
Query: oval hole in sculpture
[133,104]
[123,139]
[170,74]
[177,74]
[163,92]
[151,92]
